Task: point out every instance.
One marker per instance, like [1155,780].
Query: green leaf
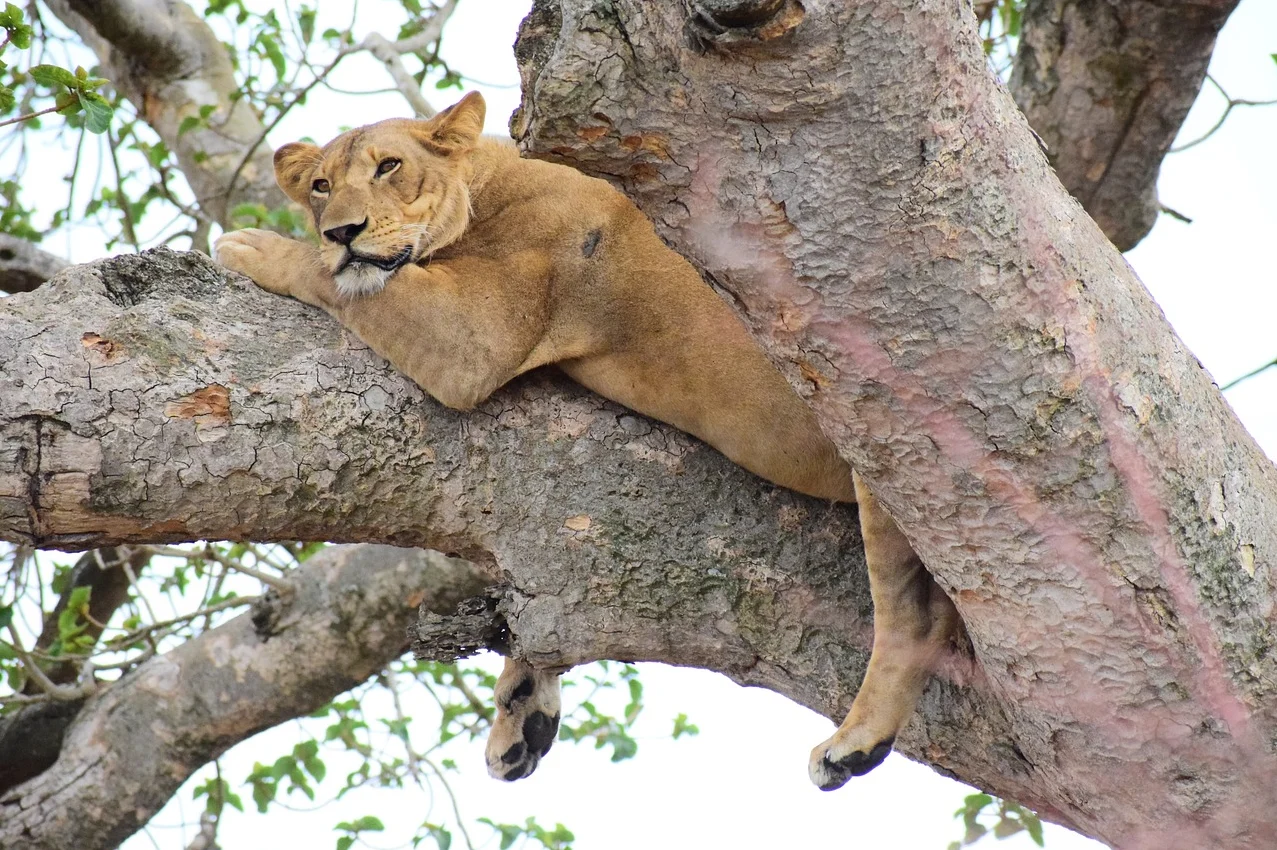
[274,54]
[306,23]
[1006,827]
[97,112]
[52,75]
[1033,825]
[345,842]
[189,123]
[12,21]
[682,727]
[6,616]
[442,837]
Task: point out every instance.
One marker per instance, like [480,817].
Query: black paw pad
[521,691]
[855,764]
[520,770]
[515,753]
[539,730]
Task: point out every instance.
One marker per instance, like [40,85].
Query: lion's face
[387,194]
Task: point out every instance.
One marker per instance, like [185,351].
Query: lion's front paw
[847,754]
[527,720]
[259,254]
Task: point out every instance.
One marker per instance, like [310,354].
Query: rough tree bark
[874,204]
[1107,86]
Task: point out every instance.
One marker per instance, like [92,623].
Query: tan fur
[471,266]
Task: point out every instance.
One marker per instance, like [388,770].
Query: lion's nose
[346,233]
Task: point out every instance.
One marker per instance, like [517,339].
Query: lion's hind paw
[527,720]
[832,763]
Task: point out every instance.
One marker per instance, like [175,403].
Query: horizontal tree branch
[148,399]
[135,741]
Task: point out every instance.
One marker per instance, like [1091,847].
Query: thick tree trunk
[852,177]
[873,201]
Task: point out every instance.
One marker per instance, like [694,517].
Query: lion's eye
[320,187]
[386,166]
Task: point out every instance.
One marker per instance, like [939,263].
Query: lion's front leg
[278,264]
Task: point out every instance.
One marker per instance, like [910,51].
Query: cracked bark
[1107,86]
[134,743]
[146,400]
[872,199]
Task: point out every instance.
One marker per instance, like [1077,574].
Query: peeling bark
[135,741]
[1107,86]
[873,201]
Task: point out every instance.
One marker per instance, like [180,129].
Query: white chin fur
[361,279]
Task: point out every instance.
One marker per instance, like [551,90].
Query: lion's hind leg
[527,720]
[913,623]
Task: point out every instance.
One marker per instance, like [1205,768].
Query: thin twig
[456,808]
[429,34]
[280,584]
[141,631]
[121,199]
[1252,373]
[1232,102]
[28,116]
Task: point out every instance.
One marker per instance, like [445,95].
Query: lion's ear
[295,162]
[458,127]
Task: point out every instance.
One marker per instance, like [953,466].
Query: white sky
[742,782]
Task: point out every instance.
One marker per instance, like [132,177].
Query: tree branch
[391,55]
[1107,86]
[169,63]
[133,744]
[23,266]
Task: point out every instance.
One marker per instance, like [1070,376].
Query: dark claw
[855,764]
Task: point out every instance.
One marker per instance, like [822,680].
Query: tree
[895,237]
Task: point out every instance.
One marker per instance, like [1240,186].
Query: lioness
[465,266]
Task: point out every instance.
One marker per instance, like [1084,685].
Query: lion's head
[387,194]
